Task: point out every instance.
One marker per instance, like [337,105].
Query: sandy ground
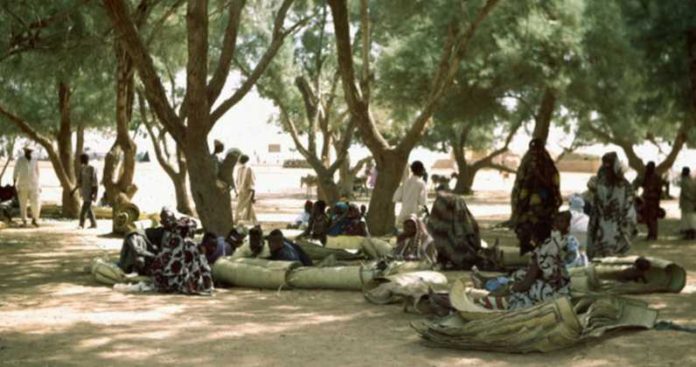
[54,314]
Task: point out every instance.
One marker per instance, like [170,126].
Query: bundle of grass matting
[663,276]
[403,287]
[107,272]
[253,273]
[553,325]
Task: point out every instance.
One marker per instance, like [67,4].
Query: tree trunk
[465,180]
[346,179]
[327,188]
[9,151]
[545,115]
[79,146]
[390,168]
[70,204]
[181,189]
[213,202]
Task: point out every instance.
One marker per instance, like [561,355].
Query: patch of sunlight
[44,318]
[689,289]
[255,328]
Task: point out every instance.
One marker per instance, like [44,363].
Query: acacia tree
[200,109]
[637,83]
[391,159]
[303,84]
[51,109]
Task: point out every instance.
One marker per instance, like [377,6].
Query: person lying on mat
[635,273]
[285,250]
[415,243]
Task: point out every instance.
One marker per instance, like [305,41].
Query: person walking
[246,186]
[412,193]
[88,185]
[26,180]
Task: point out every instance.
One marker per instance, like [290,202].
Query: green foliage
[52,42]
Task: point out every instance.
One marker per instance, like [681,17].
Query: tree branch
[358,106]
[154,90]
[229,46]
[276,41]
[451,58]
[164,162]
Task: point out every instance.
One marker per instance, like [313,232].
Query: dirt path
[53,314]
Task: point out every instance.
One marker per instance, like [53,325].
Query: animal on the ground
[308,181]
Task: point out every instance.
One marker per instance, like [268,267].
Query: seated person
[302,221]
[414,243]
[545,278]
[347,221]
[285,250]
[574,253]
[140,248]
[215,247]
[579,220]
[180,267]
[318,224]
[252,246]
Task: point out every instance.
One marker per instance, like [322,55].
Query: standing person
[88,185]
[246,184]
[26,180]
[412,193]
[687,204]
[652,193]
[536,195]
[218,148]
[613,218]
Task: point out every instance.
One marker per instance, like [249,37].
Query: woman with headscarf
[651,183]
[613,218]
[180,266]
[414,243]
[546,276]
[536,195]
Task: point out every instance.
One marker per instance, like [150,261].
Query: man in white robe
[412,194]
[26,180]
[246,186]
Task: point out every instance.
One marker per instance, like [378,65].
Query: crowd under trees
[390,75]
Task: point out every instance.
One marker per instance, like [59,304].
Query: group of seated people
[177,264]
[343,219]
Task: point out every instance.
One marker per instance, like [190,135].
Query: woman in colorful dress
[181,267]
[536,195]
[613,218]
